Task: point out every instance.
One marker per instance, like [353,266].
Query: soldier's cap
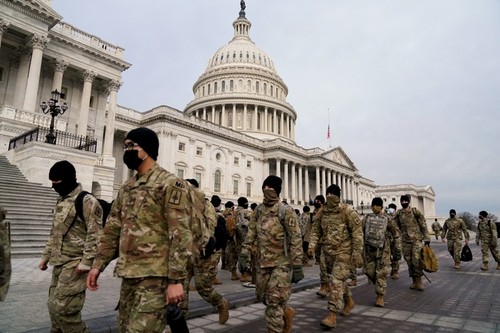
[242,201]
[320,198]
[483,213]
[215,200]
[391,205]
[146,139]
[62,170]
[273,182]
[405,197]
[253,206]
[333,189]
[377,201]
[306,209]
[452,211]
[193,182]
[229,204]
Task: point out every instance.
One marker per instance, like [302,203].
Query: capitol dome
[240,89]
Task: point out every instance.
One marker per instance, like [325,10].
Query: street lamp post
[54,109]
[362,207]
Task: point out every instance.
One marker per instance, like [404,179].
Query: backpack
[106,207]
[375,230]
[230,225]
[498,228]
[466,254]
[220,233]
[430,261]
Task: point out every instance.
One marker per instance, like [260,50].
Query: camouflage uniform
[5,265]
[232,246]
[305,229]
[487,238]
[436,227]
[394,247]
[378,261]
[275,258]
[413,228]
[149,229]
[452,230]
[339,227]
[67,248]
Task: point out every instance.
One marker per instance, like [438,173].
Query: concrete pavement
[464,300]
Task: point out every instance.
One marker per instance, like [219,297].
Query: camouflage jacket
[339,228]
[270,235]
[305,226]
[487,232]
[453,229]
[412,225]
[5,264]
[149,228]
[78,242]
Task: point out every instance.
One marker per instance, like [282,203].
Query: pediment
[338,156]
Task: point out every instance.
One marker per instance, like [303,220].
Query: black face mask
[405,205]
[65,187]
[317,205]
[131,159]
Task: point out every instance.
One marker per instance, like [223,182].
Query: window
[208,89]
[218,156]
[215,88]
[236,161]
[235,187]
[217,180]
[249,190]
[231,85]
[180,173]
[199,151]
[249,164]
[223,86]
[182,146]
[64,92]
[257,87]
[197,176]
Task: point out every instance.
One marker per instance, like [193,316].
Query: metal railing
[62,139]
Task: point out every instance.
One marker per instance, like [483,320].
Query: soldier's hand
[357,260]
[42,265]
[174,293]
[92,279]
[297,274]
[310,252]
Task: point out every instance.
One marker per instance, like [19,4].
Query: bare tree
[470,220]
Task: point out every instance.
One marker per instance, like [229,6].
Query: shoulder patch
[175,197]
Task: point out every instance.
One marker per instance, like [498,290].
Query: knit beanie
[215,200]
[405,197]
[242,201]
[333,189]
[229,204]
[391,205]
[146,139]
[273,182]
[483,213]
[320,198]
[377,201]
[452,211]
[62,170]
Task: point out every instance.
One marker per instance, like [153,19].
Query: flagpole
[328,136]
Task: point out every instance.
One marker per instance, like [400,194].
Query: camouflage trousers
[204,272]
[394,263]
[377,267]
[142,305]
[454,248]
[339,290]
[486,248]
[66,299]
[325,267]
[412,253]
[231,255]
[273,288]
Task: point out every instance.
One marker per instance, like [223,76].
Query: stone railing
[69,31]
[36,119]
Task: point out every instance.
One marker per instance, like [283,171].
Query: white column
[278,167]
[265,120]
[328,178]
[282,123]
[233,126]
[318,184]
[59,69]
[83,117]
[22,76]
[285,181]
[213,114]
[245,117]
[114,86]
[294,184]
[204,113]
[306,184]
[255,117]
[301,193]
[323,180]
[223,116]
[39,43]
[275,122]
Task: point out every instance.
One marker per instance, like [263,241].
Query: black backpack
[106,207]
[466,254]
[220,233]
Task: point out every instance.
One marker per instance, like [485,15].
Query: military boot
[413,286]
[288,315]
[223,309]
[217,281]
[348,306]
[330,321]
[498,265]
[419,285]
[246,277]
[485,266]
[394,275]
[457,265]
[323,291]
[380,301]
[234,275]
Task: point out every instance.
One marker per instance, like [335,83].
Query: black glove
[209,248]
[243,261]
[396,256]
[427,242]
[297,274]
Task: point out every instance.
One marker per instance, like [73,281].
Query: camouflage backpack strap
[281,217]
[78,211]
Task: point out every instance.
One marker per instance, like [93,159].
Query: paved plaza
[465,300]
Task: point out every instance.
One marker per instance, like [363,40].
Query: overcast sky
[411,88]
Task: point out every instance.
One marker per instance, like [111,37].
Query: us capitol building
[237,130]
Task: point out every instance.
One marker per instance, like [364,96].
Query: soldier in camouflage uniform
[204,269]
[231,253]
[437,228]
[5,265]
[242,220]
[413,228]
[71,249]
[324,261]
[149,230]
[274,231]
[395,250]
[452,230]
[339,227]
[377,249]
[487,238]
[305,229]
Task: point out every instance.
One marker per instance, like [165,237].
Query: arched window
[257,87]
[209,89]
[215,88]
[231,85]
[217,180]
[249,85]
[265,88]
[223,86]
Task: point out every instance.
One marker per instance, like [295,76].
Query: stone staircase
[29,210]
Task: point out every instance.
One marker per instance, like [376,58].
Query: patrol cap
[62,170]
[146,139]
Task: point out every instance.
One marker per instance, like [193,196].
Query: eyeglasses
[130,146]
